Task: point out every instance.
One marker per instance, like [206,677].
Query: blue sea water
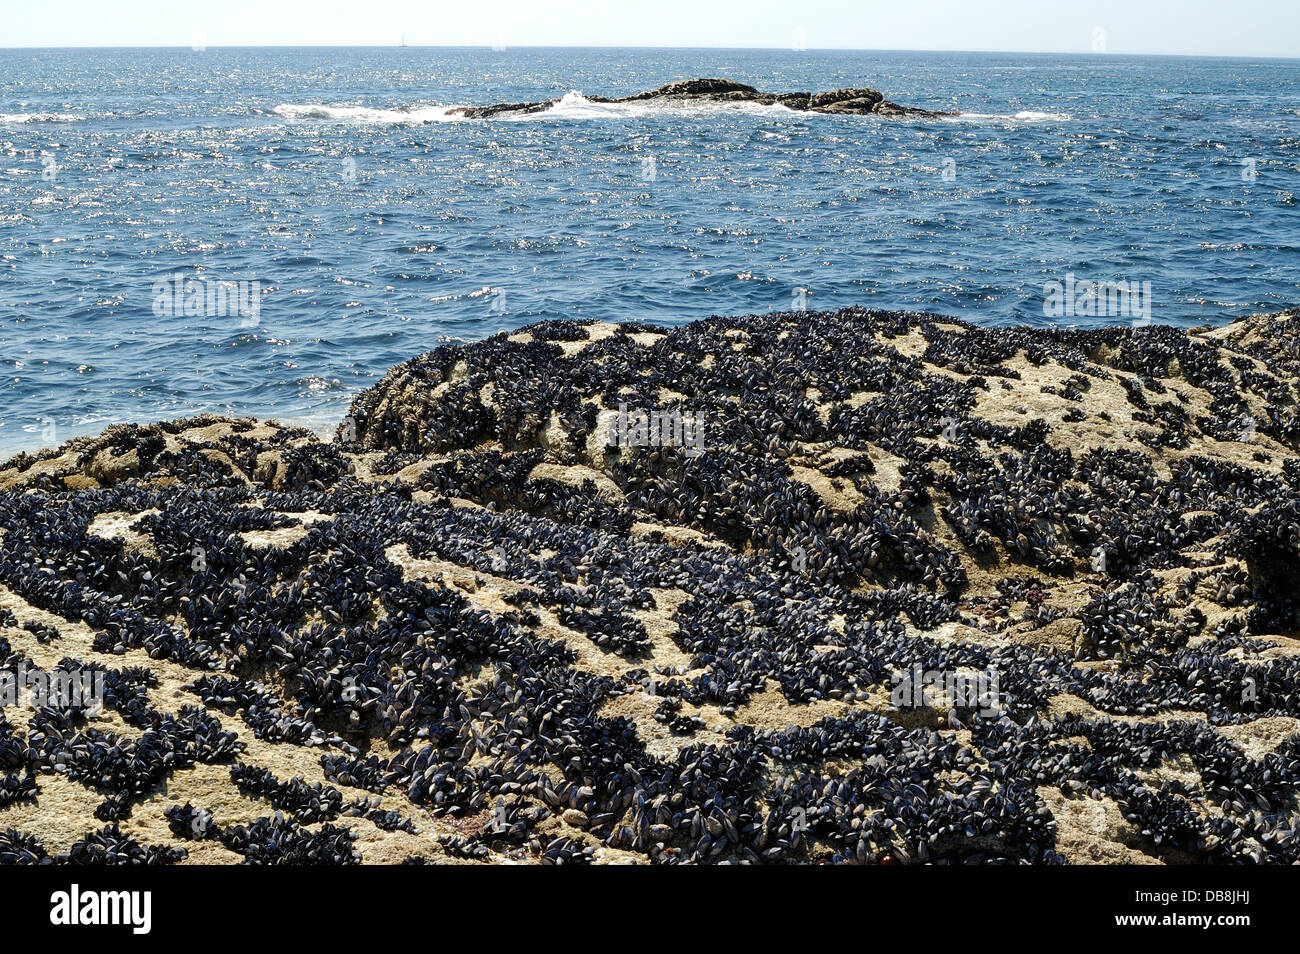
[376,225]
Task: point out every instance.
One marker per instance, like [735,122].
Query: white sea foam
[572,106]
[366,114]
[22,118]
[1024,116]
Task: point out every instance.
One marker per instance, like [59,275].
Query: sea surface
[372,225]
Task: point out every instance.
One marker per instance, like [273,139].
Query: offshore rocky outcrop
[855,101]
[471,629]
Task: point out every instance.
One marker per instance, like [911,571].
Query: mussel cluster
[473,628]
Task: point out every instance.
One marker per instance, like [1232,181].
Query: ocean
[266,231]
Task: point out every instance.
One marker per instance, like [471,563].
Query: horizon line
[758,49]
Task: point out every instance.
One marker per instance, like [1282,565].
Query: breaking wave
[572,106]
[575,106]
[17,119]
[1024,116]
[366,114]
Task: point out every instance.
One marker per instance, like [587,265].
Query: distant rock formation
[856,101]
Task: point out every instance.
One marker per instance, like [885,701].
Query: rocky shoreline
[856,101]
[864,587]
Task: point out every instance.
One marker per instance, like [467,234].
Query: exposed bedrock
[860,101]
[852,587]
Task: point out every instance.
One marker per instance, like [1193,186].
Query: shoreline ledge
[855,101]
[921,591]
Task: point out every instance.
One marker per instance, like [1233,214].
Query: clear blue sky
[1213,27]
